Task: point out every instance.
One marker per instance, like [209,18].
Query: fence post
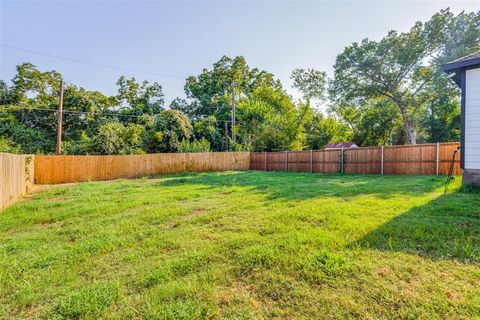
[341,165]
[265,160]
[438,157]
[286,160]
[311,161]
[381,167]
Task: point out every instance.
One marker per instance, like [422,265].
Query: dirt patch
[452,295]
[46,224]
[198,211]
[383,271]
[32,310]
[193,213]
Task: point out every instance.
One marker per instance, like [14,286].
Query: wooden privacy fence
[19,172]
[65,169]
[422,159]
[16,177]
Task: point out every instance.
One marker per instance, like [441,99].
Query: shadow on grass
[445,228]
[303,186]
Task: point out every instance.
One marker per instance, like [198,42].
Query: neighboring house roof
[339,145]
[472,60]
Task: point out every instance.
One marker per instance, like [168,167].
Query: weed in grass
[88,302]
[257,257]
[319,266]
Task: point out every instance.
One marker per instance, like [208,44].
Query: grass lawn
[243,245]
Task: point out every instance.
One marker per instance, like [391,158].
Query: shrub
[202,145]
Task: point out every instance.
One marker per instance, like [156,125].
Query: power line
[93,63]
[17,108]
[107,66]
[74,112]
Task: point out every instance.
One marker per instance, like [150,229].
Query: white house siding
[472,119]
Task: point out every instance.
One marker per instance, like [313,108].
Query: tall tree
[396,67]
[210,93]
[29,122]
[212,89]
[440,120]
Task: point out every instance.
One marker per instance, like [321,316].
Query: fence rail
[422,159]
[16,177]
[66,169]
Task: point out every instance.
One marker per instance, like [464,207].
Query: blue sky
[182,38]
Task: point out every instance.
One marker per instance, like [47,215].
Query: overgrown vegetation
[243,245]
[387,91]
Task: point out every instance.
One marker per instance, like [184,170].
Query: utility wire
[74,111]
[86,112]
[92,63]
[105,66]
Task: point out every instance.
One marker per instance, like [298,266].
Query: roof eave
[457,67]
[454,66]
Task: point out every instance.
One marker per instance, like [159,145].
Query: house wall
[472,119]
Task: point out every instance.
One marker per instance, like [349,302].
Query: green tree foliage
[92,122]
[272,121]
[211,91]
[372,123]
[8,146]
[310,82]
[170,128]
[405,69]
[114,138]
[393,67]
[207,128]
[321,130]
[210,94]
[139,99]
[440,120]
[22,123]
[202,145]
[188,108]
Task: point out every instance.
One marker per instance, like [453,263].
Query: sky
[174,40]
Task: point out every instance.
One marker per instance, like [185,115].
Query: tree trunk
[409,127]
[411,135]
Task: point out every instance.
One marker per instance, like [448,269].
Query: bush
[202,145]
[8,146]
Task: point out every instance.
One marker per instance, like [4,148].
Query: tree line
[390,91]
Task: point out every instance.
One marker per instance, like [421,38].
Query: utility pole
[233,111]
[59,116]
[226,136]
